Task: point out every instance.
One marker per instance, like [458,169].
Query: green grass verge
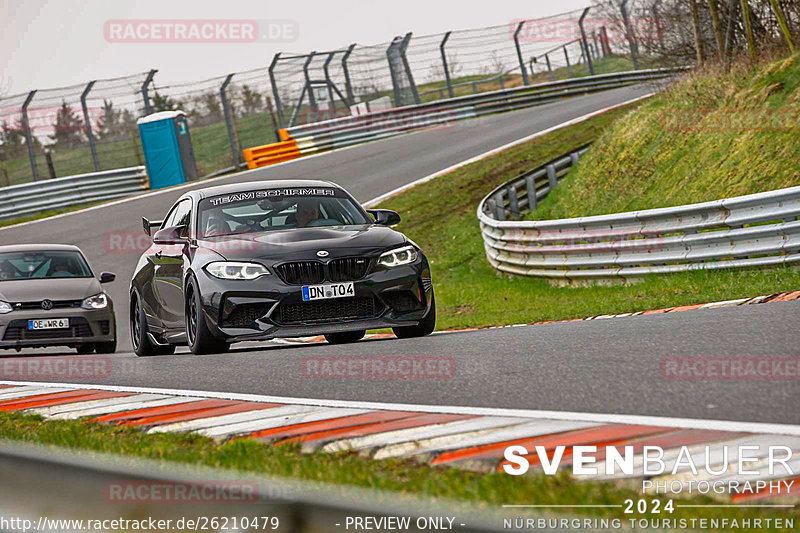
[440,216]
[490,490]
[715,135]
[44,214]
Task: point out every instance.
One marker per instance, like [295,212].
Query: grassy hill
[714,135]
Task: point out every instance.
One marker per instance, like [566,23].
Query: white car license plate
[48,323]
[324,292]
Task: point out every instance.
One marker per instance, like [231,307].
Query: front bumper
[86,327]
[269,308]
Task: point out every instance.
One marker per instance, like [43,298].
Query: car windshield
[43,265]
[277,209]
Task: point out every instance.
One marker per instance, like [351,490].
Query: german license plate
[324,292]
[48,323]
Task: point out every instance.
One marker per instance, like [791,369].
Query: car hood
[35,290]
[304,243]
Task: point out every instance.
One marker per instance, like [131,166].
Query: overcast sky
[52,43]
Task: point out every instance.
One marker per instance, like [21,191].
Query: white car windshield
[43,265]
[243,214]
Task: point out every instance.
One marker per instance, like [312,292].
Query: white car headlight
[98,301]
[5,307]
[234,270]
[398,256]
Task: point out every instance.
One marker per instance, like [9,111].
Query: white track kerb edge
[688,423]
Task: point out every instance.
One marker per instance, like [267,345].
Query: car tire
[201,340]
[84,349]
[425,327]
[345,337]
[142,345]
[110,347]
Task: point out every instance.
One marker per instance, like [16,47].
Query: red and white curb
[472,439]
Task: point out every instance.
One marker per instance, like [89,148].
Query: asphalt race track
[604,366]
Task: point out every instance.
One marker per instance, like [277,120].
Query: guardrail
[20,200]
[55,484]
[347,131]
[746,231]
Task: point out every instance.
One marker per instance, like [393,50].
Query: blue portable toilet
[167,148]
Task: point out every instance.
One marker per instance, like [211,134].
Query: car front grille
[301,272]
[310,272]
[17,330]
[347,269]
[57,304]
[244,315]
[323,310]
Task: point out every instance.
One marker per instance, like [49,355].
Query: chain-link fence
[90,127]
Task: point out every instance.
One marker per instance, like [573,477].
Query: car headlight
[5,307]
[98,301]
[233,270]
[398,256]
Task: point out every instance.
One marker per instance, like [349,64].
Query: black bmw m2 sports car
[259,260]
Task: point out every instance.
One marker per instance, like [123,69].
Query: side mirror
[173,235]
[385,217]
[148,225]
[107,277]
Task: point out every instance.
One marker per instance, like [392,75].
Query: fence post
[403,48]
[390,55]
[278,106]
[348,87]
[566,56]
[86,121]
[273,119]
[26,126]
[519,54]
[51,169]
[604,41]
[311,97]
[148,109]
[586,50]
[629,34]
[549,67]
[226,111]
[325,66]
[444,64]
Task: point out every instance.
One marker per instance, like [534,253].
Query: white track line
[398,436]
[33,391]
[272,423]
[118,408]
[462,440]
[92,404]
[234,418]
[601,418]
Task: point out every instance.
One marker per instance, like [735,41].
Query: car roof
[38,248]
[259,185]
